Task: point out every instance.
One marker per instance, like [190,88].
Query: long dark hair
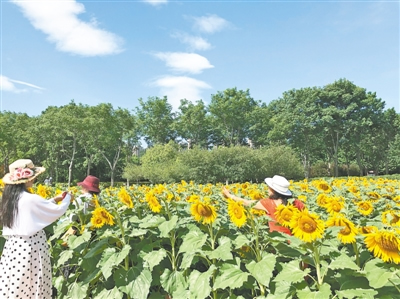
[276,195]
[9,203]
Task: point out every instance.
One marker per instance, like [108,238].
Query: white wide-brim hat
[279,184]
[22,171]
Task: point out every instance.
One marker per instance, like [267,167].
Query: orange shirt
[270,206]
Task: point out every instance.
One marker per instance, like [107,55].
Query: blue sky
[116,52]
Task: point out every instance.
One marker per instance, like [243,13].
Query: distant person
[46,181]
[90,186]
[278,194]
[25,269]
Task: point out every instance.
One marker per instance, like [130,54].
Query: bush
[320,169]
[168,164]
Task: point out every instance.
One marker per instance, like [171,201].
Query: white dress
[25,269]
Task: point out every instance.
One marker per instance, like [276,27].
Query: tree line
[337,129]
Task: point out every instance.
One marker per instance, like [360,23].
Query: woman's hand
[58,198]
[61,196]
[225,192]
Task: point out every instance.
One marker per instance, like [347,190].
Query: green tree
[193,124]
[156,120]
[231,112]
[260,126]
[345,109]
[16,128]
[65,128]
[159,163]
[296,123]
[116,129]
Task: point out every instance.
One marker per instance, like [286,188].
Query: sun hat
[90,183]
[279,184]
[22,171]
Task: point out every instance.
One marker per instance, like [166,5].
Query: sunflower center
[345,231]
[308,225]
[395,219]
[238,212]
[336,207]
[388,245]
[204,211]
[364,207]
[287,215]
[324,187]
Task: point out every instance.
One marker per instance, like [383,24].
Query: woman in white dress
[25,269]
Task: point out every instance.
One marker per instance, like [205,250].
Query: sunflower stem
[317,266]
[173,257]
[210,229]
[257,248]
[167,209]
[123,237]
[394,285]
[355,247]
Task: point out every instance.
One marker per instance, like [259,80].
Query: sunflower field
[187,241]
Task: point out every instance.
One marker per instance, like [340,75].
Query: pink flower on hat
[22,173]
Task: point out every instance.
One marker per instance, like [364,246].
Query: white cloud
[156,2]
[58,19]
[194,42]
[7,84]
[210,23]
[177,88]
[184,62]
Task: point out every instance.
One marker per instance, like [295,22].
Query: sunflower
[322,199]
[304,186]
[258,212]
[324,186]
[104,214]
[237,213]
[374,195]
[365,207]
[366,230]
[348,233]
[306,226]
[391,217]
[153,202]
[193,198]
[170,196]
[95,201]
[203,211]
[334,205]
[207,190]
[43,191]
[284,214]
[384,245]
[255,194]
[125,198]
[97,221]
[245,185]
[353,189]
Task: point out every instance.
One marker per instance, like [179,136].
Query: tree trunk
[71,163]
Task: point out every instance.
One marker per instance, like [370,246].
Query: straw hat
[279,184]
[22,171]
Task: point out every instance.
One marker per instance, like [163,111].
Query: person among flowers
[278,194]
[25,269]
[90,188]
